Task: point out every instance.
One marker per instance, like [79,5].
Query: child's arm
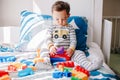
[72,47]
[50,43]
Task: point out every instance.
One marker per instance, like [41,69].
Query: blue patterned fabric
[32,23]
[81,32]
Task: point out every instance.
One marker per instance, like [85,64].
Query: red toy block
[2,73]
[12,68]
[78,68]
[66,64]
[64,55]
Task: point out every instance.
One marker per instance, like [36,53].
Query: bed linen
[104,73]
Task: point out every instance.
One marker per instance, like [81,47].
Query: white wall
[10,11]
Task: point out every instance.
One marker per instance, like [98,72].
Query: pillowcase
[80,23]
[32,30]
[34,26]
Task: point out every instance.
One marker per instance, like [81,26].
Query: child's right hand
[53,50]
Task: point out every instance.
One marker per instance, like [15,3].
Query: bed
[31,36]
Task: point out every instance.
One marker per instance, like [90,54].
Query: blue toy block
[25,72]
[67,74]
[57,74]
[28,63]
[7,58]
[53,60]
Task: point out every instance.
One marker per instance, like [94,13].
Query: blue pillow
[31,25]
[81,32]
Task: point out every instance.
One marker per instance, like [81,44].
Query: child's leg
[80,59]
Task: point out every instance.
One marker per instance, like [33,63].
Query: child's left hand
[70,52]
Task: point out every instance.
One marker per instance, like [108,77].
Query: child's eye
[64,19]
[57,19]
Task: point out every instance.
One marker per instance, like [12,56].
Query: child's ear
[69,15]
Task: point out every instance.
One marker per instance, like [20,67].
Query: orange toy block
[38,60]
[79,75]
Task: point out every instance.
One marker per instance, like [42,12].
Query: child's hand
[70,52]
[53,50]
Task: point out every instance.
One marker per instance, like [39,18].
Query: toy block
[38,53]
[64,55]
[38,60]
[66,64]
[61,53]
[57,74]
[7,58]
[78,68]
[82,76]
[28,63]
[79,75]
[75,78]
[16,66]
[25,72]
[60,50]
[12,68]
[61,68]
[67,74]
[55,60]
[68,69]
[4,75]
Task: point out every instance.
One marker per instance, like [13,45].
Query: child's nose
[60,22]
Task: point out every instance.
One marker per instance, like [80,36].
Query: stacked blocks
[80,73]
[68,69]
[60,56]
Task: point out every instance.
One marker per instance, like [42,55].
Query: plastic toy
[25,72]
[67,74]
[66,64]
[4,75]
[74,78]
[60,50]
[16,66]
[38,53]
[80,69]
[38,58]
[7,58]
[59,74]
[27,62]
[61,54]
[80,73]
[55,60]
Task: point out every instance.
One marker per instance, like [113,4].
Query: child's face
[60,17]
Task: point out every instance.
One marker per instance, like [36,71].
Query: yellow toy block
[38,60]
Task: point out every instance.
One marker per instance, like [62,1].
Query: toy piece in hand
[60,50]
[61,54]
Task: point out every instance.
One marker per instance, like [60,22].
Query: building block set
[26,67]
[68,69]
